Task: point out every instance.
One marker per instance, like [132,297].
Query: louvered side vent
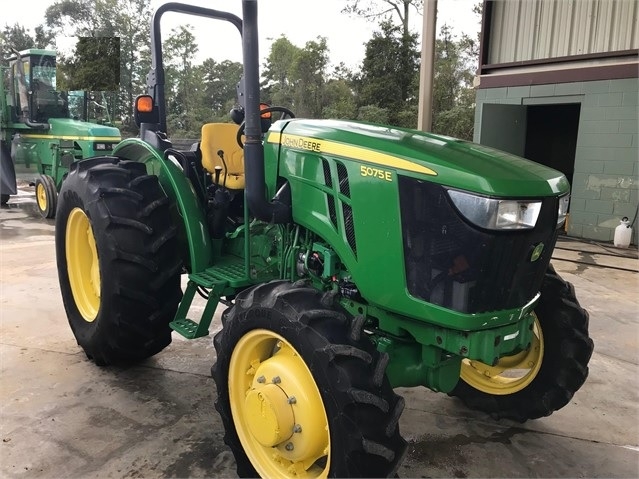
[328,181]
[349,227]
[342,176]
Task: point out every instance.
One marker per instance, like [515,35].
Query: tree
[15,36]
[219,81]
[455,61]
[84,18]
[389,73]
[453,92]
[181,88]
[339,95]
[308,72]
[373,114]
[126,19]
[135,53]
[93,66]
[278,84]
[385,9]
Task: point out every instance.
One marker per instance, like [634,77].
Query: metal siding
[535,29]
[545,36]
[603,26]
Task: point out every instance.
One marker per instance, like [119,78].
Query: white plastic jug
[623,232]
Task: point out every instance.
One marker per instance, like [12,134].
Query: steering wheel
[286,113]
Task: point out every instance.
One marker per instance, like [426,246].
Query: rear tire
[561,365]
[282,341]
[46,196]
[117,259]
[4,199]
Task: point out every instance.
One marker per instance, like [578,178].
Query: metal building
[558,84]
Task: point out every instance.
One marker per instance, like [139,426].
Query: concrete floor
[63,417]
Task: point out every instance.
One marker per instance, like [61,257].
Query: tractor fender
[188,213]
[8,185]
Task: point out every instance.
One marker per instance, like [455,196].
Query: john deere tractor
[44,130]
[353,258]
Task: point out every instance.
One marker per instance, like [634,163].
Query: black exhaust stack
[274,211]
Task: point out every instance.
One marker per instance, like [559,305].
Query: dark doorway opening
[551,136]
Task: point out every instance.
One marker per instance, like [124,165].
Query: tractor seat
[219,148]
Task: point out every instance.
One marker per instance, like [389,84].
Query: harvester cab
[44,128]
[353,258]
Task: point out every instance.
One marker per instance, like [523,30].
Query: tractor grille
[454,264]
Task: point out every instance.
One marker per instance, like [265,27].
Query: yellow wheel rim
[82,264]
[277,408]
[512,373]
[41,197]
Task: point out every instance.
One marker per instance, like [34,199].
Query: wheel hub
[511,373]
[269,416]
[82,264]
[277,408]
[41,197]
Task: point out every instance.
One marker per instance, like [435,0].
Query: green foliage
[135,54]
[180,49]
[339,100]
[93,65]
[453,93]
[126,19]
[84,18]
[383,90]
[278,87]
[15,36]
[388,75]
[373,114]
[296,77]
[220,81]
[309,71]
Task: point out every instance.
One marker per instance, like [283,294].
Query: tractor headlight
[564,201]
[496,214]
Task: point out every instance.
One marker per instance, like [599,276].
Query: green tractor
[353,259]
[45,128]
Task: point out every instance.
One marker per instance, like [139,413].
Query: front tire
[301,391]
[117,259]
[543,379]
[46,196]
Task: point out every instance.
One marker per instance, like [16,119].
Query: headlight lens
[564,201]
[496,214]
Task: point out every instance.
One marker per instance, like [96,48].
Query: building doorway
[546,134]
[551,136]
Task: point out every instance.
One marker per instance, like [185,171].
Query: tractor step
[186,327]
[229,272]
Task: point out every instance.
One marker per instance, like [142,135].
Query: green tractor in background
[45,128]
[353,258]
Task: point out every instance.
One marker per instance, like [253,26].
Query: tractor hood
[448,161]
[81,130]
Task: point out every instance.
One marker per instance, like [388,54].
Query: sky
[299,20]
